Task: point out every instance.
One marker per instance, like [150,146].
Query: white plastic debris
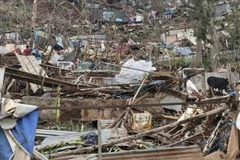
[131,71]
[190,112]
[238,121]
[191,88]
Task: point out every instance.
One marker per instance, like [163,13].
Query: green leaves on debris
[54,148]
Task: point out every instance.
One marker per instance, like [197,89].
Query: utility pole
[33,23]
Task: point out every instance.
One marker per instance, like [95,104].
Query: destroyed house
[222,8]
[10,37]
[110,16]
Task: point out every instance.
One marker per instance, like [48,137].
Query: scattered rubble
[105,96]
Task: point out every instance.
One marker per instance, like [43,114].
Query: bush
[206,62]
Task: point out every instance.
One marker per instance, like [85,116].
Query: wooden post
[119,54]
[204,82]
[48,58]
[33,22]
[1,57]
[27,88]
[58,104]
[139,88]
[237,97]
[99,136]
[2,73]
[6,79]
[60,72]
[229,75]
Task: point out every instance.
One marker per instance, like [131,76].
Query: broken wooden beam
[163,134]
[215,132]
[140,135]
[37,79]
[53,67]
[185,139]
[141,98]
[177,123]
[136,105]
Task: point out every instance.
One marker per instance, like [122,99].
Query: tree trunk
[214,37]
[198,61]
[33,22]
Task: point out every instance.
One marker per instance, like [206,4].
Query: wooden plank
[54,67]
[30,64]
[37,66]
[36,79]
[24,65]
[34,64]
[2,73]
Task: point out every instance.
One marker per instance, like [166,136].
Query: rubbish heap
[104,96]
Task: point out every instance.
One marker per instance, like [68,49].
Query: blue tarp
[169,12]
[24,132]
[5,148]
[184,51]
[118,20]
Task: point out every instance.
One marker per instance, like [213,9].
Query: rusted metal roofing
[174,153]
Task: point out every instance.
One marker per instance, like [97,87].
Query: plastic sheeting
[23,130]
[190,112]
[55,58]
[184,51]
[191,88]
[5,148]
[130,75]
[238,121]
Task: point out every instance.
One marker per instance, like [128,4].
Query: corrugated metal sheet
[51,133]
[107,135]
[175,153]
[30,65]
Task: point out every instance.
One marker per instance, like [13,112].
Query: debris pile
[142,96]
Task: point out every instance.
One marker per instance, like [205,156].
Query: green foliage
[48,150]
[81,56]
[13,16]
[233,29]
[206,62]
[115,149]
[180,61]
[198,14]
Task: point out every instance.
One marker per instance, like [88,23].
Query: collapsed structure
[120,98]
